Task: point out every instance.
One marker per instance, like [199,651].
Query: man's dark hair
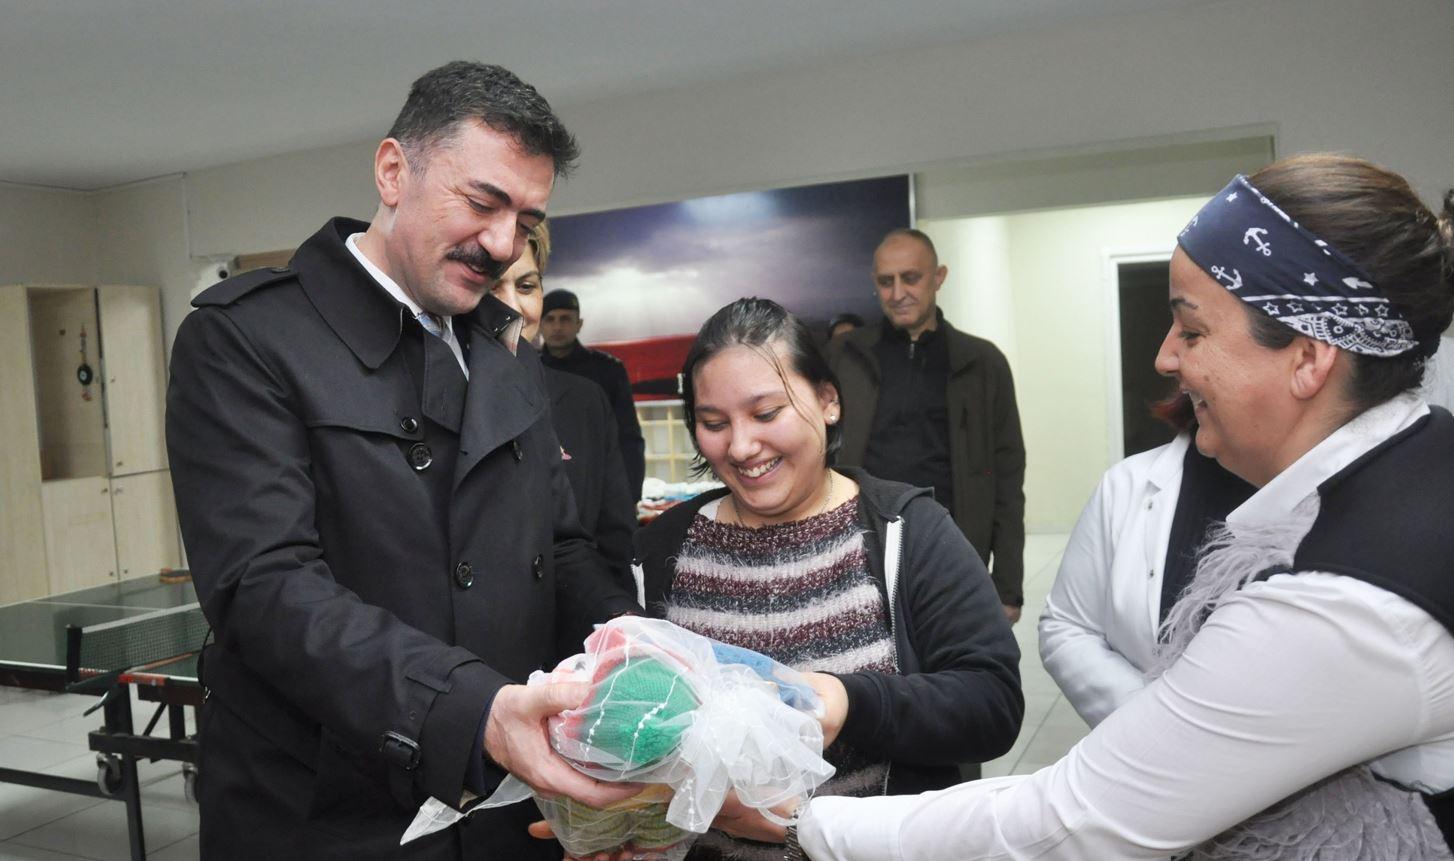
[758,324]
[455,92]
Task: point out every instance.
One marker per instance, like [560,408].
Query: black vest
[1388,519]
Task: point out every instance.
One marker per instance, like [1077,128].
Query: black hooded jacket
[957,696]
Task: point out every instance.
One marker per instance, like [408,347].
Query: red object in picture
[652,364]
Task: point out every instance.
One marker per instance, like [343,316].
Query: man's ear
[1314,362]
[939,275]
[391,169]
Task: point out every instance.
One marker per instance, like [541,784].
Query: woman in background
[1131,554]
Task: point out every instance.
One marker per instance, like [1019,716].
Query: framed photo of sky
[649,276]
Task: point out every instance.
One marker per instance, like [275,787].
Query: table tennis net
[113,647]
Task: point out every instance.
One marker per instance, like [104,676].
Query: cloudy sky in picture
[652,271]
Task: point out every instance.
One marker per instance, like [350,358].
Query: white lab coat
[1098,630]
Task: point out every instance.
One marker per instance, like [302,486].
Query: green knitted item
[636,821]
[637,712]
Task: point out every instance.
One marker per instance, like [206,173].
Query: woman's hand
[835,704]
[739,820]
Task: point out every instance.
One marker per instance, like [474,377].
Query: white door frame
[1111,261]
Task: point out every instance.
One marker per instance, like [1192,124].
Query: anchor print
[1234,281]
[1255,234]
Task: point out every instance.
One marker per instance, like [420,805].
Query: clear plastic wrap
[671,708]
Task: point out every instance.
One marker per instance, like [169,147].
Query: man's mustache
[478,258]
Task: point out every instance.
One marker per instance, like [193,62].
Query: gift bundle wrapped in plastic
[692,718]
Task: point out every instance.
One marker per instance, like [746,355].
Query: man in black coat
[560,329]
[374,506]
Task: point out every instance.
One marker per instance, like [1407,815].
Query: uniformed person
[560,327]
[579,410]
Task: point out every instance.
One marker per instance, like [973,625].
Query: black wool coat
[379,547]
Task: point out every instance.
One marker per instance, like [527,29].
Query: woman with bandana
[1303,699]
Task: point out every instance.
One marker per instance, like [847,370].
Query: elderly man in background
[926,404]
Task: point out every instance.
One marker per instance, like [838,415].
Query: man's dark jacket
[957,696]
[986,450]
[608,372]
[378,546]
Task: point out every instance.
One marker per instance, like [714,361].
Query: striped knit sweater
[800,593]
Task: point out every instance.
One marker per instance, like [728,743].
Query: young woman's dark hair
[1374,217]
[758,324]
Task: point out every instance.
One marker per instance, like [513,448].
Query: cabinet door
[146,523]
[131,344]
[80,544]
[22,554]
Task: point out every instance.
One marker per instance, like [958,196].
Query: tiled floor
[1051,726]
[47,732]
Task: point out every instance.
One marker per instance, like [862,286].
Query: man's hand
[516,739]
[1012,613]
[835,704]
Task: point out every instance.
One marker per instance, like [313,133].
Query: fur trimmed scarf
[1347,816]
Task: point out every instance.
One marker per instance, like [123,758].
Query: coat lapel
[504,396]
[444,384]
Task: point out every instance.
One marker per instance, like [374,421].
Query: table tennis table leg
[118,720]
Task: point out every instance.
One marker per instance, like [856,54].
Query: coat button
[464,576]
[515,450]
[408,424]
[420,457]
[538,567]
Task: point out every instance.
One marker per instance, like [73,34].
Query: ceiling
[98,93]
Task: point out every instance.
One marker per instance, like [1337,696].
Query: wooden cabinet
[136,382]
[86,493]
[80,537]
[145,516]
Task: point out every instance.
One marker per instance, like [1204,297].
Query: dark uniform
[607,371]
[580,411]
[379,546]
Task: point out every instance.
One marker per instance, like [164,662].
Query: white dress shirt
[1098,630]
[1291,679]
[403,298]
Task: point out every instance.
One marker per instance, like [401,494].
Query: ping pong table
[142,634]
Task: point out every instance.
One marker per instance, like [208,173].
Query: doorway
[1144,318]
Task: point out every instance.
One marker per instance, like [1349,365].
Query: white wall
[142,239]
[274,203]
[1048,267]
[1321,74]
[46,236]
[1348,74]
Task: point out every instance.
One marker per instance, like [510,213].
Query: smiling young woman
[866,585]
